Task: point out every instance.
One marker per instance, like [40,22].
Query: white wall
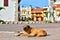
[1,3]
[8,14]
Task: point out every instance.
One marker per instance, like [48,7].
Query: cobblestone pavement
[6,31]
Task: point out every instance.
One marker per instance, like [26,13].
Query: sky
[34,3]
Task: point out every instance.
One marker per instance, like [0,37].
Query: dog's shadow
[41,36]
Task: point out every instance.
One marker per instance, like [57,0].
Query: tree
[37,7]
[27,19]
[31,6]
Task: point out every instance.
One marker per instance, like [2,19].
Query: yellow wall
[57,11]
[34,14]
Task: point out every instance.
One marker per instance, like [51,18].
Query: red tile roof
[37,9]
[56,6]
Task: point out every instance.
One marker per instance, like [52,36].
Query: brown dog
[29,31]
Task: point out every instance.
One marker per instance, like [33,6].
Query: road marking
[6,32]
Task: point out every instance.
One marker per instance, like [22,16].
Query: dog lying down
[31,32]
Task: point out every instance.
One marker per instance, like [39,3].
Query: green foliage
[37,7]
[47,21]
[1,8]
[30,6]
[27,19]
[46,14]
[2,22]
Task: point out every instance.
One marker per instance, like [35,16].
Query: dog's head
[27,29]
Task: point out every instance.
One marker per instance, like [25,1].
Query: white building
[10,13]
[25,12]
[53,11]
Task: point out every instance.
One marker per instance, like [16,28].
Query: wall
[8,14]
[25,12]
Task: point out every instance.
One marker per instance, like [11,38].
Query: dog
[32,32]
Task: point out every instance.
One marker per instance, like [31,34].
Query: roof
[36,10]
[56,6]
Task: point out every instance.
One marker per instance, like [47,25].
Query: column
[16,11]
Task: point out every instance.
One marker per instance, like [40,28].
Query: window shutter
[5,2]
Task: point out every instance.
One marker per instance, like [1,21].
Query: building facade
[10,11]
[53,9]
[56,8]
[46,13]
[37,14]
[51,2]
[25,13]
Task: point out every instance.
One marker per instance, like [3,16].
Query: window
[5,2]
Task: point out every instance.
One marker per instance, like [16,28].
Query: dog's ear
[26,28]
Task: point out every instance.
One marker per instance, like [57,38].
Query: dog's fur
[29,31]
